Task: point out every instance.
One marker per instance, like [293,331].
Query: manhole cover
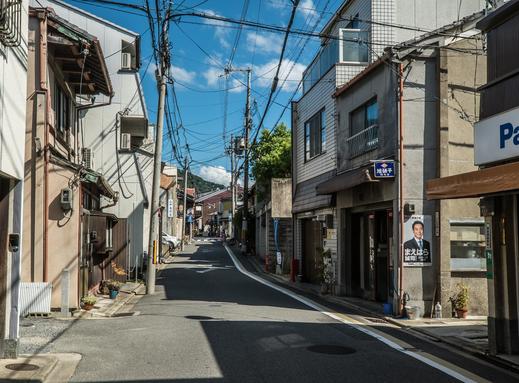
[198,317]
[330,349]
[22,367]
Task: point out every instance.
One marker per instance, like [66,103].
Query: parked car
[170,240]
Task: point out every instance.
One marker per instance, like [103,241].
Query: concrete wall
[460,73]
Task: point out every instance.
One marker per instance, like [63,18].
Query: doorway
[312,242]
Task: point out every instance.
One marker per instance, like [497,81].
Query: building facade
[13,72]
[353,39]
[496,181]
[428,132]
[118,143]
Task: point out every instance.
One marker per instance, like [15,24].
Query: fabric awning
[345,181]
[481,182]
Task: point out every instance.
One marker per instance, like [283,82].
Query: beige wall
[63,230]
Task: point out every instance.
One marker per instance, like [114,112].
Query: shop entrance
[312,241]
[370,254]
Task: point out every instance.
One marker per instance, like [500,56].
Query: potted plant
[88,301]
[461,301]
[113,288]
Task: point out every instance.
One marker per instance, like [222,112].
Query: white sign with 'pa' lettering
[497,138]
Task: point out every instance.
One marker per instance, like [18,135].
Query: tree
[271,156]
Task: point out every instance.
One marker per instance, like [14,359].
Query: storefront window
[468,246]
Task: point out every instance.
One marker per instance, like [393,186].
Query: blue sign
[384,169]
[189,218]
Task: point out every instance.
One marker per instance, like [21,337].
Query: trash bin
[413,312]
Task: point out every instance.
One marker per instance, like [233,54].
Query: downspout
[400,180]
[44,88]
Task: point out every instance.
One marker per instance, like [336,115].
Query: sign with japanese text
[417,246]
[170,208]
[384,169]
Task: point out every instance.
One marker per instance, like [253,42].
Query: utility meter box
[67,199]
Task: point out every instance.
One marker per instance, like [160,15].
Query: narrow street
[210,322]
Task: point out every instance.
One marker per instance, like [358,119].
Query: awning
[166,182]
[481,182]
[306,198]
[85,74]
[345,181]
[101,183]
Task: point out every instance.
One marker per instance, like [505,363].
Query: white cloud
[212,76]
[307,9]
[290,70]
[216,174]
[264,43]
[220,30]
[182,74]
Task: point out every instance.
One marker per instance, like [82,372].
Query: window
[61,110]
[468,246]
[364,117]
[354,43]
[315,135]
[109,233]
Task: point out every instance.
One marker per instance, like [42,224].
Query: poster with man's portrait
[418,240]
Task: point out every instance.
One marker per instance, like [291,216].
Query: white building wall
[431,14]
[13,94]
[101,130]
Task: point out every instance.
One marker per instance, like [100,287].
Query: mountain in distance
[201,185]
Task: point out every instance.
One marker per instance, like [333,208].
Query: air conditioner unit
[126,61]
[88,158]
[126,141]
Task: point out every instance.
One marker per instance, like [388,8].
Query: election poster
[417,246]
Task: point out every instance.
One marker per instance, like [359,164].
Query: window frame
[364,107]
[482,246]
[341,46]
[320,118]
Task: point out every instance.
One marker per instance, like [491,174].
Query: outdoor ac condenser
[126,61]
[126,141]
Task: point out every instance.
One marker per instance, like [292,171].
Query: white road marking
[342,318]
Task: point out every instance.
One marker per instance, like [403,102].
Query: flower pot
[462,313]
[113,294]
[88,306]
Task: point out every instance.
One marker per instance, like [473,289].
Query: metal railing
[10,22]
[363,142]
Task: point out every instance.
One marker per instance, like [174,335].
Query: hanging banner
[417,246]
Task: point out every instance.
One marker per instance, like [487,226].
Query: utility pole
[184,208]
[233,205]
[154,242]
[248,123]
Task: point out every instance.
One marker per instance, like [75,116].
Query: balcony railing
[363,142]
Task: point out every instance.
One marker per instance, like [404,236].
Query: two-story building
[66,70]
[406,118]
[118,142]
[13,72]
[353,39]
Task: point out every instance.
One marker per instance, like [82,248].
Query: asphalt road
[209,321]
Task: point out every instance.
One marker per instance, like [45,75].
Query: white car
[170,240]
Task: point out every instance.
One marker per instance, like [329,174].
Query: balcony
[363,142]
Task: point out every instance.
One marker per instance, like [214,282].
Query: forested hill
[201,185]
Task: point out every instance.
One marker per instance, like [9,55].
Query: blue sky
[200,50]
